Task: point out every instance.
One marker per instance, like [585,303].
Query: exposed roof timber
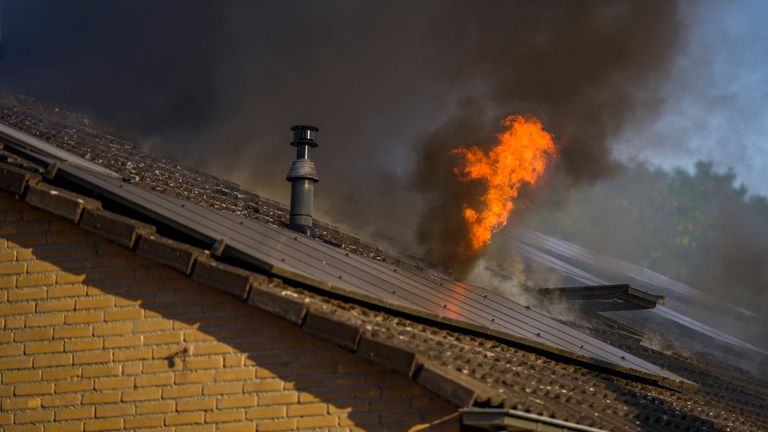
[499,419]
[603,298]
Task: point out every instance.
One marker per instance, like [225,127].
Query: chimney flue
[303,177]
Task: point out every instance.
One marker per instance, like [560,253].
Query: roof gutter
[499,419]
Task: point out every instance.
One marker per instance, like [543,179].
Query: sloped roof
[488,367]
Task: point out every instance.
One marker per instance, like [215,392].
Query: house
[121,309]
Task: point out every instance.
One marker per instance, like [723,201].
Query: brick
[12,377]
[84,317]
[224,277]
[121,230]
[56,305]
[33,389]
[26,240]
[196,428]
[277,425]
[236,402]
[195,405]
[59,202]
[144,422]
[203,363]
[95,302]
[122,341]
[272,412]
[21,403]
[33,417]
[30,280]
[46,320]
[225,416]
[14,180]
[60,400]
[7,281]
[182,391]
[222,388]
[213,348]
[61,374]
[154,380]
[74,345]
[114,383]
[163,338]
[16,363]
[112,329]
[43,347]
[16,308]
[41,267]
[11,350]
[332,328]
[121,410]
[26,294]
[53,360]
[67,332]
[33,335]
[102,397]
[263,386]
[311,409]
[283,304]
[123,314]
[75,426]
[133,354]
[176,255]
[93,357]
[317,422]
[74,386]
[155,407]
[140,395]
[194,377]
[103,424]
[283,398]
[132,368]
[186,418]
[66,291]
[152,325]
[234,374]
[101,371]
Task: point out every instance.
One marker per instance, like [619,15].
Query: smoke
[217,85]
[584,70]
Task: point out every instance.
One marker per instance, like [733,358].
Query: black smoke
[583,69]
[217,84]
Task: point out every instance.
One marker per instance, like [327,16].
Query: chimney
[303,177]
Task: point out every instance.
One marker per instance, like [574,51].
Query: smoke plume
[217,84]
[583,69]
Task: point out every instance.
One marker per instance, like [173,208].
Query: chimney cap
[304,135]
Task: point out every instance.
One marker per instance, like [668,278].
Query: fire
[521,155]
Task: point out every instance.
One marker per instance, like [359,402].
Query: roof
[468,365]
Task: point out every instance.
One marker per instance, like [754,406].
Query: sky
[715,101]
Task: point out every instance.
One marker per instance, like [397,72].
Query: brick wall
[95,337]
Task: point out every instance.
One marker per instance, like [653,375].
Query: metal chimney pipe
[303,177]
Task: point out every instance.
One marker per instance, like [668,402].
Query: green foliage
[699,228]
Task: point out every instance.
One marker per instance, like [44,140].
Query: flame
[521,155]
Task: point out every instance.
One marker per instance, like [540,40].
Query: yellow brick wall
[95,337]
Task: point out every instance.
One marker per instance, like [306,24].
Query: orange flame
[520,156]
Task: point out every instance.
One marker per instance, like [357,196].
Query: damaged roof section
[288,255]
[603,298]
